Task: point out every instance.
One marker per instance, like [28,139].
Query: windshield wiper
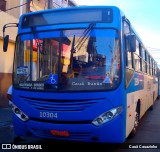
[38,41]
[76,47]
[84,37]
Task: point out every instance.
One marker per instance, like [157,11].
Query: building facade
[10,12]
[6,58]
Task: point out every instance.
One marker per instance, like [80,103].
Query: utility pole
[28,6]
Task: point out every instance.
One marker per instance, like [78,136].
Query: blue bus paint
[137,83]
[70,80]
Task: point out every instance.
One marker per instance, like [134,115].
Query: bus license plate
[62,133]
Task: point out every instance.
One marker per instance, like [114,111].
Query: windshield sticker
[22,70]
[52,79]
[107,80]
[31,85]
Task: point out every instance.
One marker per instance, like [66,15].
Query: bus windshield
[68,60]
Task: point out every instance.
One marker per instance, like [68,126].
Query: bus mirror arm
[132,43]
[6,37]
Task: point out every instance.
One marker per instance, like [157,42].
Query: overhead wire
[15,7]
[153,49]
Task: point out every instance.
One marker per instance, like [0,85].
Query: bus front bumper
[110,132]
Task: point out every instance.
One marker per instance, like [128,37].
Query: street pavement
[6,127]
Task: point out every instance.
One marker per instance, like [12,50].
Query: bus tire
[136,123]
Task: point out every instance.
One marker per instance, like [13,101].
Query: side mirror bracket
[6,37]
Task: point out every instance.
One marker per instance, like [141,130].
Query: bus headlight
[19,113]
[107,116]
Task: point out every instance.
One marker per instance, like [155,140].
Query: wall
[6,58]
[16,11]
[37,5]
[6,65]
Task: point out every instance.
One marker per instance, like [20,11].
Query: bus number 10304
[48,115]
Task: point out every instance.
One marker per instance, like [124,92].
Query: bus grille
[48,134]
[60,105]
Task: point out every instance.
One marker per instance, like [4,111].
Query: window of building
[3,5]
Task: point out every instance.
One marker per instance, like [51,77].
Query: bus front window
[69,60]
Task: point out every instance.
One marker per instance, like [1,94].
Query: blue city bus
[80,74]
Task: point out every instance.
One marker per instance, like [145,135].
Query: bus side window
[137,57]
[143,60]
[129,55]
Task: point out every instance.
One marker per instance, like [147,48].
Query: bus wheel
[17,139]
[136,123]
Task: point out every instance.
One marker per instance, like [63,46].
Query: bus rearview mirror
[5,43]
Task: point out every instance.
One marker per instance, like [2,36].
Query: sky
[144,16]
